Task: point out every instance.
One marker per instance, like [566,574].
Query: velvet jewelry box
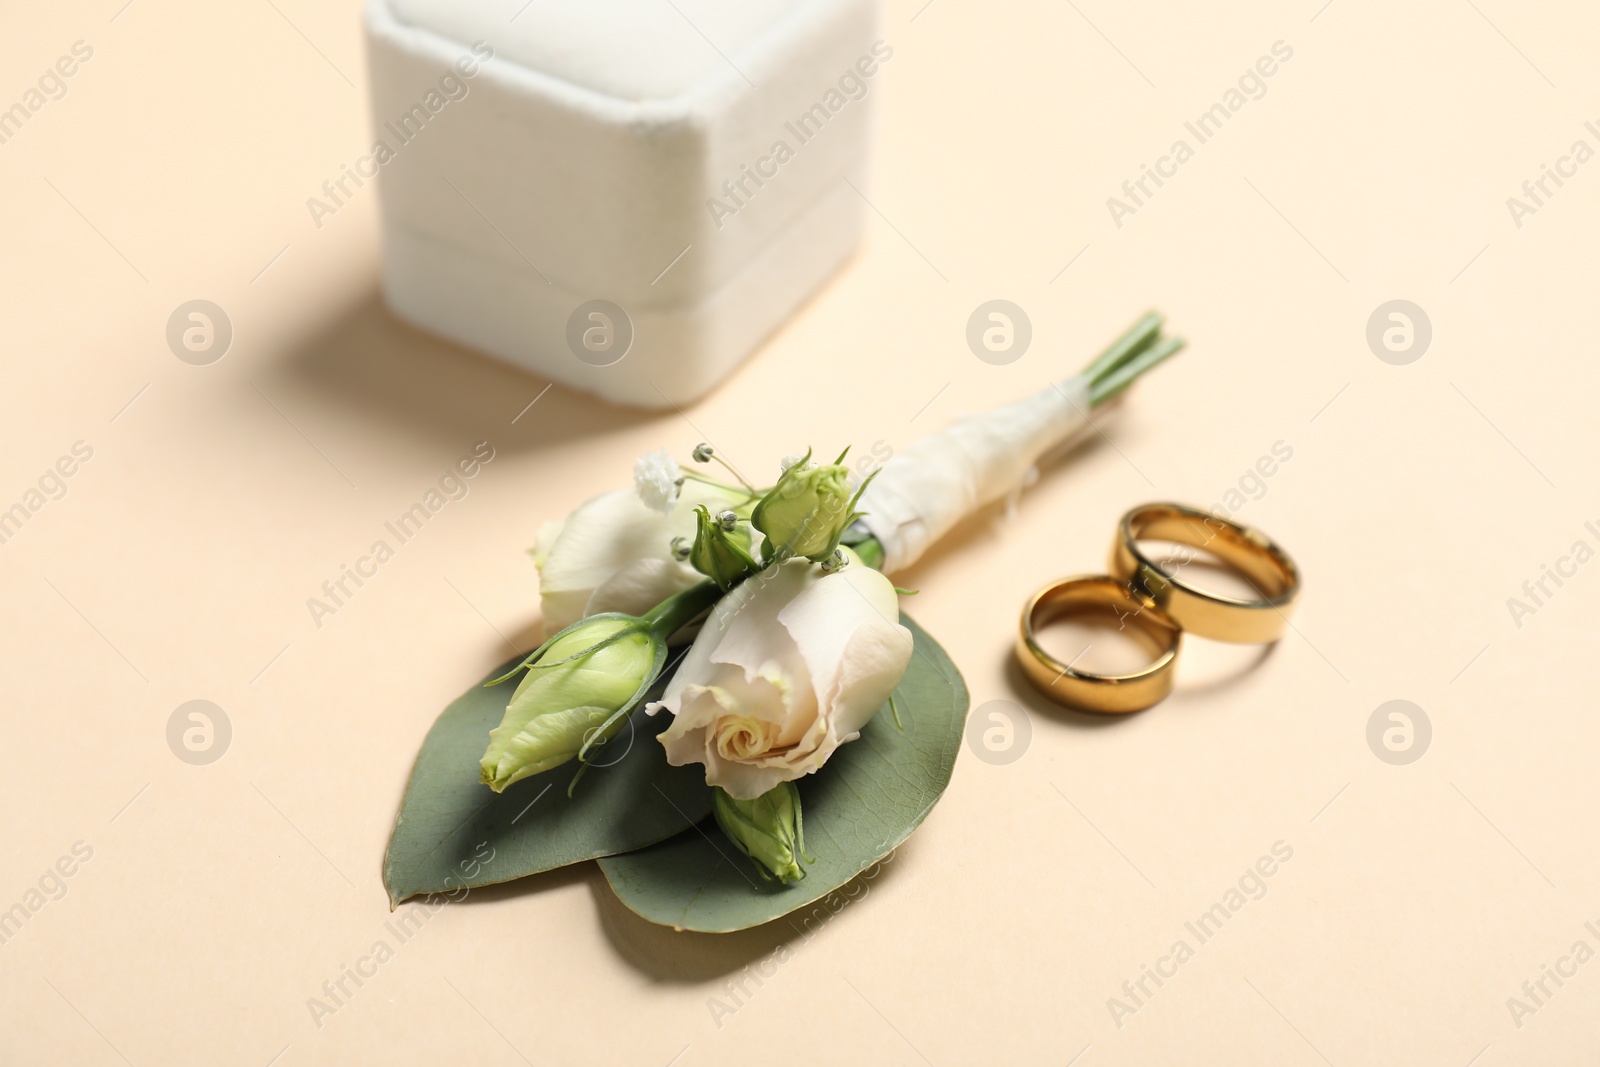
[626,196]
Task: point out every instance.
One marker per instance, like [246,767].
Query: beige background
[1419,498]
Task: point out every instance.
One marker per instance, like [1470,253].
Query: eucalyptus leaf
[863,803]
[453,833]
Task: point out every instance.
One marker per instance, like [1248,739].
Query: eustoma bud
[805,513]
[721,549]
[767,829]
[580,687]
[571,696]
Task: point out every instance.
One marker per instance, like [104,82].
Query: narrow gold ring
[1267,567]
[1066,684]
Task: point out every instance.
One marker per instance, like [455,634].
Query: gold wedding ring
[1155,600]
[1267,568]
[1066,684]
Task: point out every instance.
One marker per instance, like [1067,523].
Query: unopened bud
[806,512]
[721,549]
[767,829]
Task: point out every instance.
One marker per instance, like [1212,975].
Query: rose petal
[850,616]
[874,661]
[814,654]
[640,585]
[691,739]
[758,636]
[544,540]
[743,631]
[606,534]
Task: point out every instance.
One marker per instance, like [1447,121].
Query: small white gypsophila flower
[795,458]
[657,477]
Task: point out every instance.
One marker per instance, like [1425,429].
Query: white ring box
[624,151]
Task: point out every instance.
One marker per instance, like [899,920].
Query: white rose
[615,554]
[789,666]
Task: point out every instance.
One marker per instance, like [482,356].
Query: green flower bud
[767,829]
[806,512]
[576,693]
[721,549]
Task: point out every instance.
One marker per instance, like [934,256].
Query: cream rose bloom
[789,666]
[615,554]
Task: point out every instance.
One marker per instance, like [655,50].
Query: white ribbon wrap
[939,480]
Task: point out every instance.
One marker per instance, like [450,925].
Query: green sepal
[534,656]
[721,555]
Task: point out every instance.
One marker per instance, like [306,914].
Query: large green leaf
[454,833]
[863,803]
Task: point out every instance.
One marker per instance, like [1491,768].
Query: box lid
[629,49]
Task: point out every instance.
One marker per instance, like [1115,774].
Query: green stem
[746,491]
[1135,352]
[1117,380]
[1140,336]
[870,550]
[752,489]
[680,609]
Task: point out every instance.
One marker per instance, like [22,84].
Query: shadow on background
[685,956]
[1243,663]
[1208,667]
[384,372]
[669,955]
[1042,707]
[679,955]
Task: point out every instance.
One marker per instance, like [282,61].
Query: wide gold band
[1068,685]
[1262,563]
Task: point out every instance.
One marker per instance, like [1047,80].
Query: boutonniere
[732,713]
